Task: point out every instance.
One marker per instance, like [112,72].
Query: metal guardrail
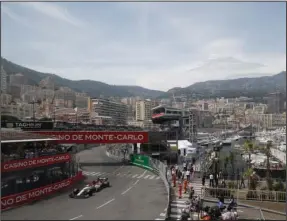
[254,195]
[163,172]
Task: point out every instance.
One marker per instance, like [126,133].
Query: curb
[249,206]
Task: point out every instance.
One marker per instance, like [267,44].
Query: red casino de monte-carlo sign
[90,137]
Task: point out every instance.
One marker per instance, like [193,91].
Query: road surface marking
[118,174]
[98,173]
[142,174]
[136,182]
[240,211]
[162,214]
[135,176]
[152,177]
[76,217]
[158,178]
[118,169]
[146,176]
[159,219]
[124,174]
[127,190]
[105,203]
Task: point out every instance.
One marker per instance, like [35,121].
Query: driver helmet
[235,214]
[75,190]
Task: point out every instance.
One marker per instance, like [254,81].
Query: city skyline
[137,43]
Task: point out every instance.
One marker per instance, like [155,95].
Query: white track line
[76,217]
[123,193]
[142,174]
[136,182]
[134,176]
[105,203]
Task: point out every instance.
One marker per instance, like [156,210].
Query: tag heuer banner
[28,125]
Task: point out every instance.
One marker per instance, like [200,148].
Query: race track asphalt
[126,199]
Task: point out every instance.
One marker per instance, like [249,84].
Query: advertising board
[22,198]
[15,165]
[28,125]
[90,137]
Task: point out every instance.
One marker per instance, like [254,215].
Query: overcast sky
[154,45]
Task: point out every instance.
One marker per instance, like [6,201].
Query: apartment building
[20,111]
[143,110]
[106,108]
[275,102]
[270,120]
[81,100]
[3,82]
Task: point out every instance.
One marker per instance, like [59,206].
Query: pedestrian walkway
[176,208]
[197,186]
[125,175]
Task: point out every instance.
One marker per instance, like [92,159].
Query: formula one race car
[86,192]
[104,182]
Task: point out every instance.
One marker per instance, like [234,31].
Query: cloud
[154,45]
[54,11]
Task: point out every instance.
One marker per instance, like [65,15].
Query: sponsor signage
[89,137]
[34,162]
[157,115]
[22,198]
[28,125]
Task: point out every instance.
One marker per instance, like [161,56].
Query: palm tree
[231,160]
[249,173]
[249,148]
[267,152]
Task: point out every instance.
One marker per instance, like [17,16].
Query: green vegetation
[93,88]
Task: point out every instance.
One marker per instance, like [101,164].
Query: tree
[252,179]
[231,160]
[249,148]
[267,151]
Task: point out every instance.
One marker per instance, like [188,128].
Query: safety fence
[254,195]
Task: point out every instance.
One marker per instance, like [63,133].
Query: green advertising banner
[141,160]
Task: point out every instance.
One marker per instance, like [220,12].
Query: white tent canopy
[184,145]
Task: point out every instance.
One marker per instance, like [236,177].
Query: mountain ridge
[244,86]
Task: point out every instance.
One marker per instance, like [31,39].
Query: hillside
[93,88]
[253,87]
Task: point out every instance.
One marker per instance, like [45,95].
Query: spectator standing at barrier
[176,169]
[189,166]
[216,179]
[188,175]
[242,183]
[223,183]
[211,181]
[179,174]
[184,166]
[203,180]
[220,175]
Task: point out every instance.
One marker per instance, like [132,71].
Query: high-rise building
[3,82]
[143,110]
[18,79]
[275,102]
[118,112]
